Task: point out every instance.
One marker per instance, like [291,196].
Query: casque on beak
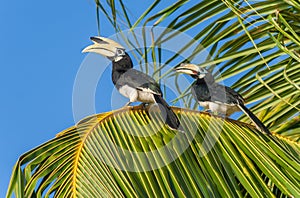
[103,46]
[190,69]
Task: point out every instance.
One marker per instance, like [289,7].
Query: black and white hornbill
[216,97]
[132,83]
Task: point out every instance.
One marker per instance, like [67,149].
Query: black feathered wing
[139,80]
[224,94]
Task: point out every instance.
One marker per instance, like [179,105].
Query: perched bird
[216,97]
[132,83]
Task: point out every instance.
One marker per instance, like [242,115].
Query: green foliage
[83,161]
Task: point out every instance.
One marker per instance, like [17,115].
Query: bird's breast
[127,91]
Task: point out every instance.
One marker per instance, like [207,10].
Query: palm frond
[123,154]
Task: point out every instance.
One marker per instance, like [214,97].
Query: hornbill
[132,83]
[216,97]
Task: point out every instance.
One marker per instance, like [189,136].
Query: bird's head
[192,69]
[106,47]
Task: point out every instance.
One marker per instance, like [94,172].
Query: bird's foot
[214,113]
[208,111]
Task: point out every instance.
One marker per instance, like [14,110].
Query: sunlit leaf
[103,155]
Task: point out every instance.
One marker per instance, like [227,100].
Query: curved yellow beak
[103,46]
[188,68]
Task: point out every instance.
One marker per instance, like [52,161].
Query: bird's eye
[120,52]
[202,70]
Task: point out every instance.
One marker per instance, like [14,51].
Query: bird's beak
[103,46]
[190,69]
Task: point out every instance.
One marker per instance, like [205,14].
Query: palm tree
[258,42]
